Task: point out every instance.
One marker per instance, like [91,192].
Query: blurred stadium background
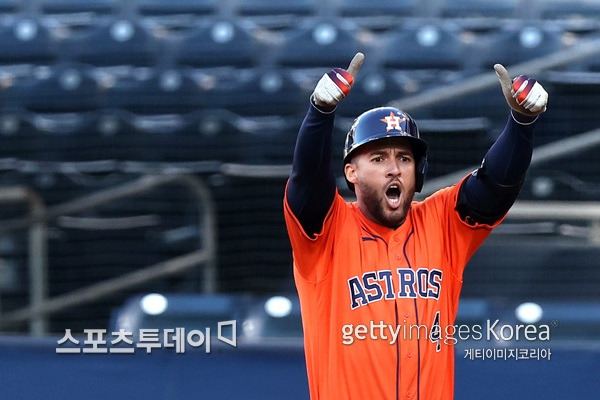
[145,145]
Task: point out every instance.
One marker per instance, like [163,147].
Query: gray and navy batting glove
[523,94]
[336,84]
[529,94]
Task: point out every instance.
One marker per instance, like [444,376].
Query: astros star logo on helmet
[393,122]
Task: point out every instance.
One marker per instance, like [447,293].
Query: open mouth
[392,195]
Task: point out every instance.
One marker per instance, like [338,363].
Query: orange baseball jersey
[376,301]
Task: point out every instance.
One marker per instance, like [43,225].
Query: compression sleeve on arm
[311,187]
[490,192]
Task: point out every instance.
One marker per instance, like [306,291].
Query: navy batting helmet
[387,122]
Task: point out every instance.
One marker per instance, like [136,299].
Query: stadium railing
[41,307]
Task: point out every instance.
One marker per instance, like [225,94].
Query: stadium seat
[408,83]
[273,317]
[163,138]
[569,9]
[177,310]
[533,267]
[447,138]
[424,46]
[64,87]
[14,75]
[215,135]
[517,43]
[574,95]
[65,136]
[207,135]
[382,8]
[582,317]
[113,42]
[162,91]
[79,6]
[572,181]
[32,136]
[478,8]
[220,135]
[170,7]
[270,139]
[18,135]
[490,104]
[375,88]
[219,43]
[473,311]
[9,6]
[573,176]
[273,8]
[85,136]
[26,40]
[120,139]
[260,91]
[318,43]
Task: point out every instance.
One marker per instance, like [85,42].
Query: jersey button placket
[395,252]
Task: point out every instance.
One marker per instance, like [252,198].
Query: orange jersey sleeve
[376,302]
[312,254]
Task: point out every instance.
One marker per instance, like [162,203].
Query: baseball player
[379,279]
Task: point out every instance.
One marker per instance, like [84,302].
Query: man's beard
[374,201]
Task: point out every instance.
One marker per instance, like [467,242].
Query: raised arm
[488,194]
[311,187]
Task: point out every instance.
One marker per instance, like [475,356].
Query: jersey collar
[383,232]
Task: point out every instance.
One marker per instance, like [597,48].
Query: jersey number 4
[435,334]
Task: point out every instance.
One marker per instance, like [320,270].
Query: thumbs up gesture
[336,84]
[523,94]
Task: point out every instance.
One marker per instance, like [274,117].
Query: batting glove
[336,84]
[523,94]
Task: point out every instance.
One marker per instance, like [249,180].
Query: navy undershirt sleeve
[490,192]
[311,187]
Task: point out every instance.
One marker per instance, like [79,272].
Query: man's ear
[350,172]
